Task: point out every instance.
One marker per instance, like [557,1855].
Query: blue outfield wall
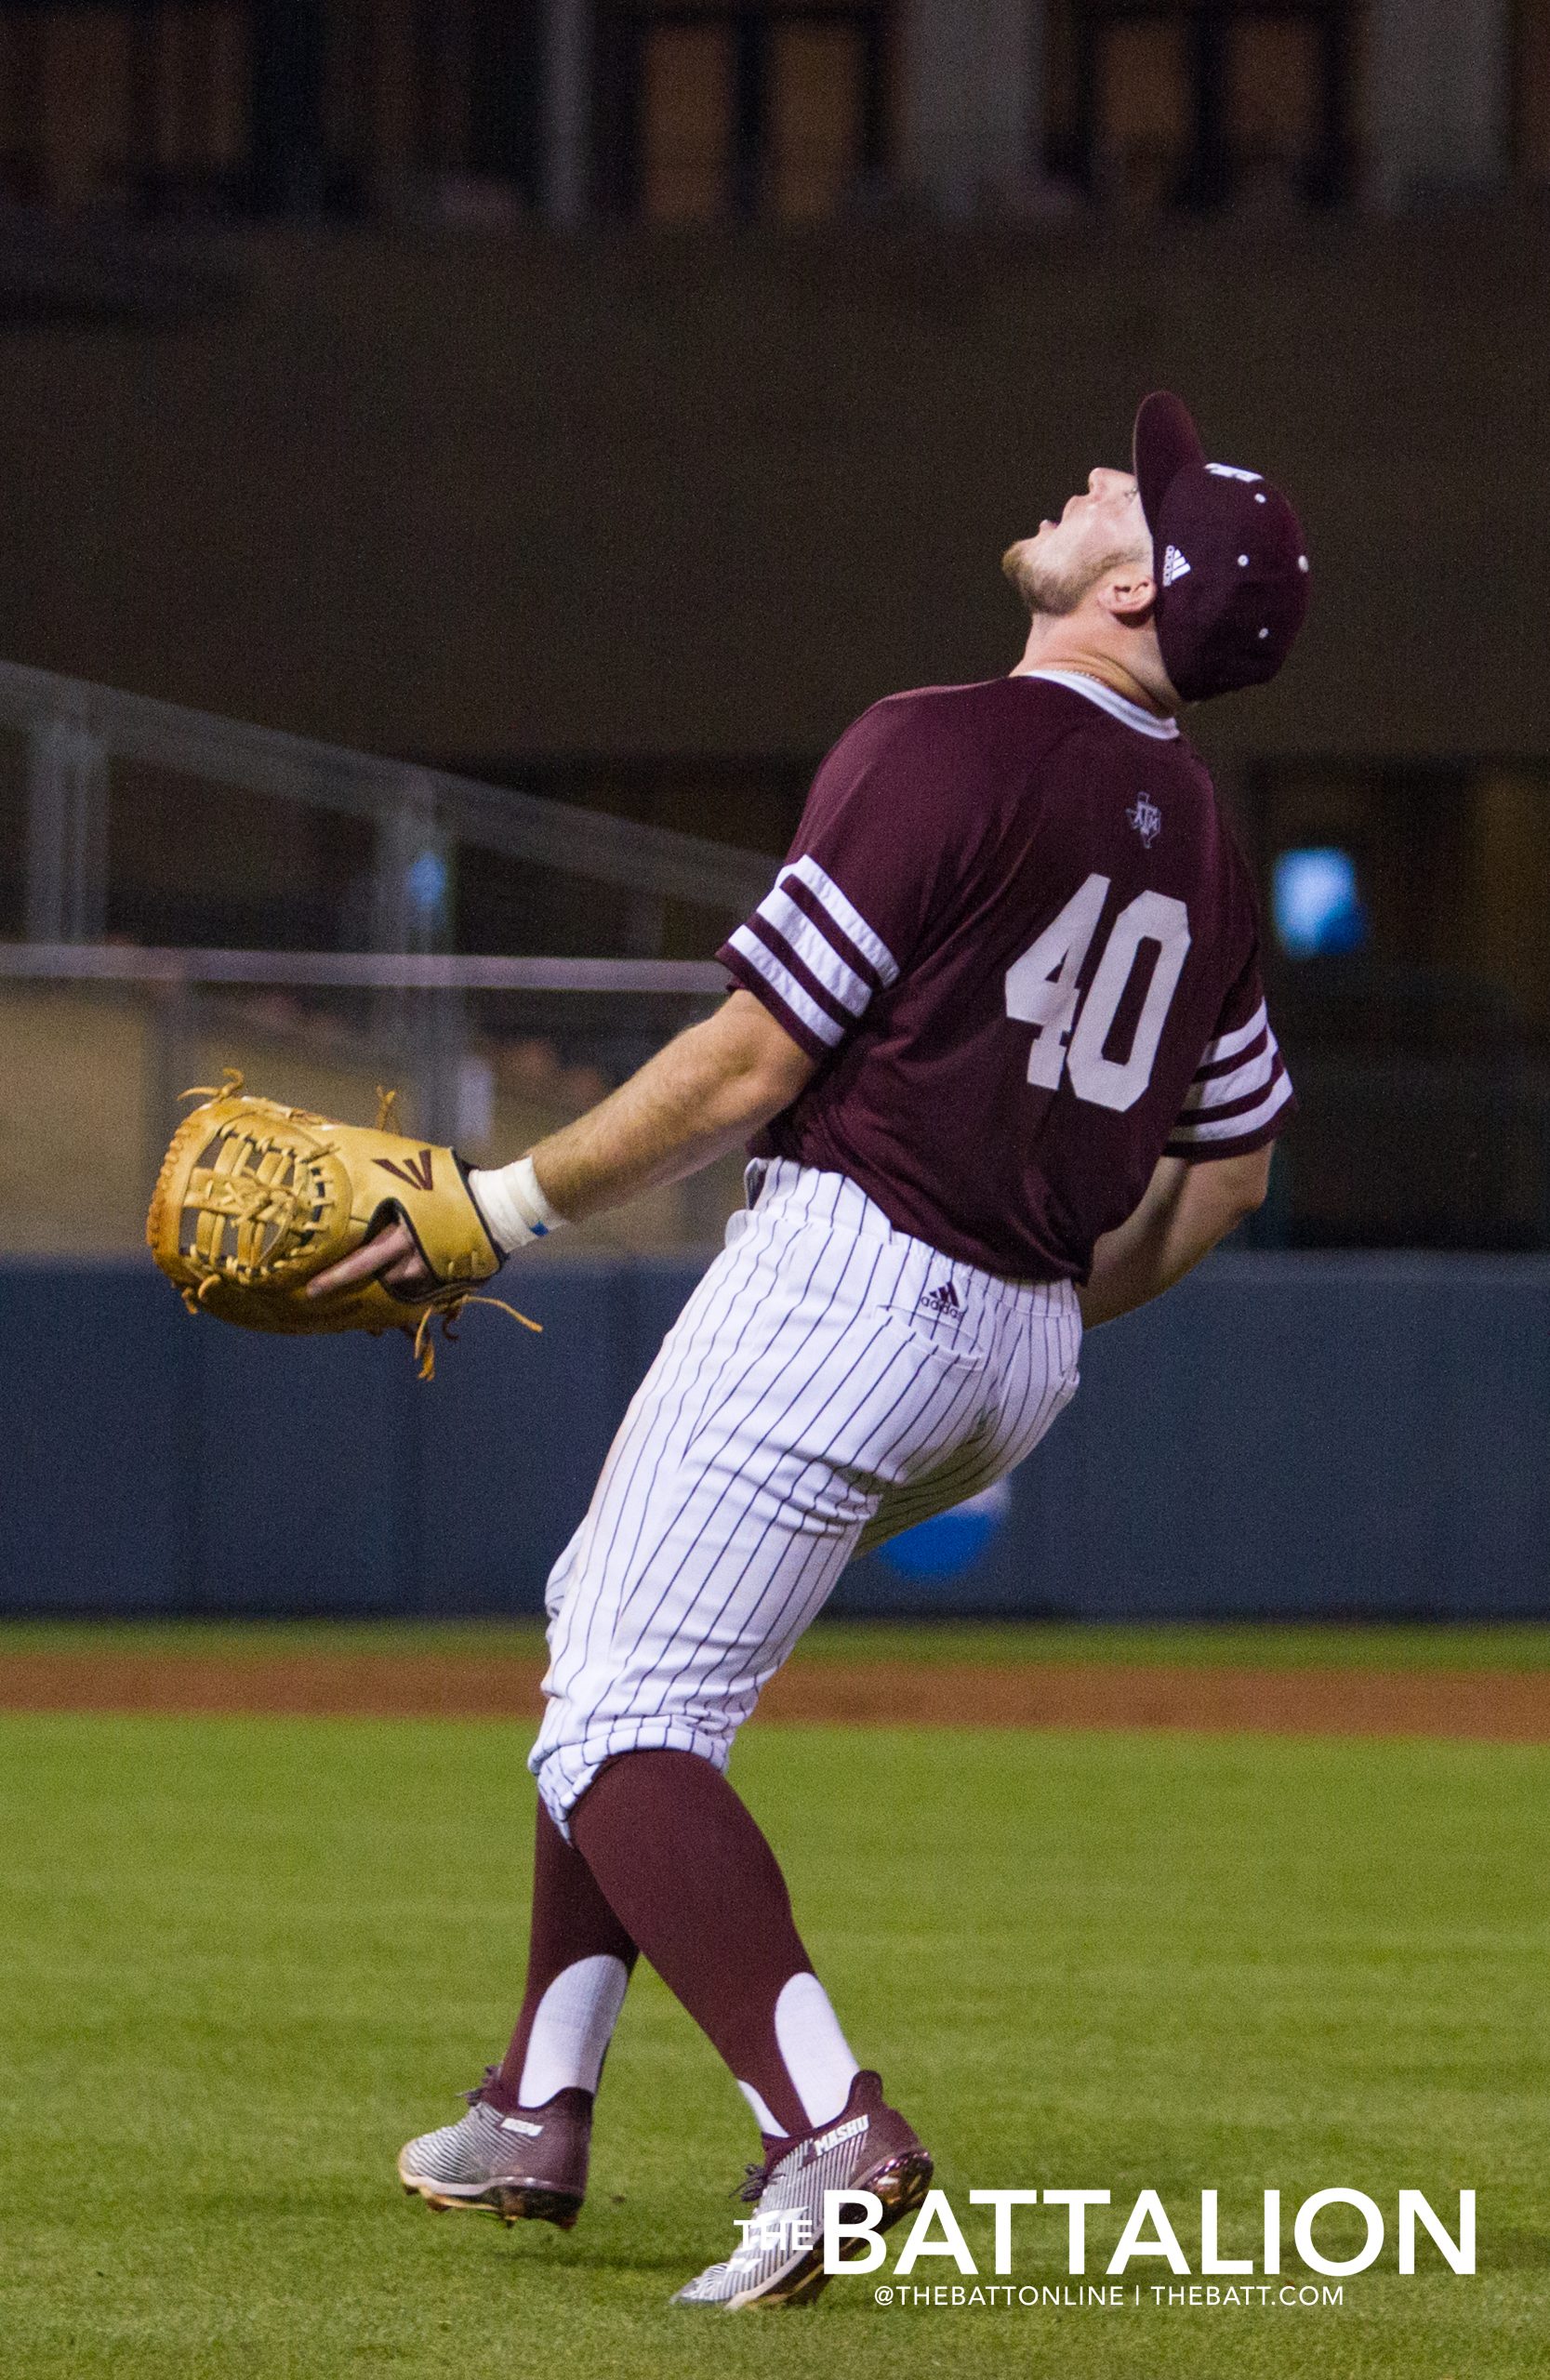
[1285,1435]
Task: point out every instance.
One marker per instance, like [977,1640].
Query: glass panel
[391,99]
[1532,95]
[229,72]
[815,117]
[686,100]
[85,58]
[443,68]
[1145,112]
[493,1070]
[1272,102]
[1422,1054]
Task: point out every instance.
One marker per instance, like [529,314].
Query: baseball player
[999,1033]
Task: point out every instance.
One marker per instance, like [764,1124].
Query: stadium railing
[99,1034]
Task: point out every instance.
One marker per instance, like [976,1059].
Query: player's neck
[1057,643]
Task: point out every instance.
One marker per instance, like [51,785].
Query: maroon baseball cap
[1229,557]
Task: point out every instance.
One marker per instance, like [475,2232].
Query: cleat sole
[511,2202]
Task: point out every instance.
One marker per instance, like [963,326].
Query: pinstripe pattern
[803,1406]
[789,2218]
[471,2153]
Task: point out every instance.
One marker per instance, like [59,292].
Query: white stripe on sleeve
[1228,1128]
[816,951]
[1220,1090]
[786,988]
[849,919]
[1231,1043]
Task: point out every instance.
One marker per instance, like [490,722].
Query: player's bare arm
[697,1099]
[1186,1210]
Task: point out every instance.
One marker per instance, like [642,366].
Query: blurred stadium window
[486,111]
[1203,103]
[289,106]
[713,108]
[1530,80]
[1418,1029]
[453,109]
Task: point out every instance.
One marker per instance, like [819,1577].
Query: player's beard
[1049,591]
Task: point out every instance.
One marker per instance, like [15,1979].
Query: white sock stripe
[813,2051]
[572,2027]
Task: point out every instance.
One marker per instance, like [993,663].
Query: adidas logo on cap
[1173,566]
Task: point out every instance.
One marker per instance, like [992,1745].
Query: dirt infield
[1500,1706]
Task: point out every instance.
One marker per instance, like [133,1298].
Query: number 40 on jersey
[1042,991]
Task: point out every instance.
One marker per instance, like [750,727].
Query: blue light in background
[1316,903]
[425,880]
[945,1547]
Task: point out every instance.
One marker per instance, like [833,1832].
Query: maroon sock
[578,1963]
[689,1873]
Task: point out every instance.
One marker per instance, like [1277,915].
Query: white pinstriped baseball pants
[805,1406]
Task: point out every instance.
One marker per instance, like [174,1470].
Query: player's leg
[521,2149]
[676,1852]
[579,1962]
[683,1861]
[796,1388]
[818,1393]
[713,1536]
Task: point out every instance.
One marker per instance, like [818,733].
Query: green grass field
[243,1959]
[1294,1645]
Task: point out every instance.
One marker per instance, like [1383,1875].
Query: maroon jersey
[1016,932]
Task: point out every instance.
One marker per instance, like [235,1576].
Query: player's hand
[391,1253]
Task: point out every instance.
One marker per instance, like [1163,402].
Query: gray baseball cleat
[868,2146]
[530,2164]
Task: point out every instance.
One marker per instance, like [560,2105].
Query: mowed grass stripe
[1268,1645]
[246,1957]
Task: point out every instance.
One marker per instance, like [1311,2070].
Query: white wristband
[514,1208]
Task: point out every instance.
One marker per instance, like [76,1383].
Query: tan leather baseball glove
[253,1198]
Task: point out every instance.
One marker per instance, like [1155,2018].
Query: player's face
[1096,532]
